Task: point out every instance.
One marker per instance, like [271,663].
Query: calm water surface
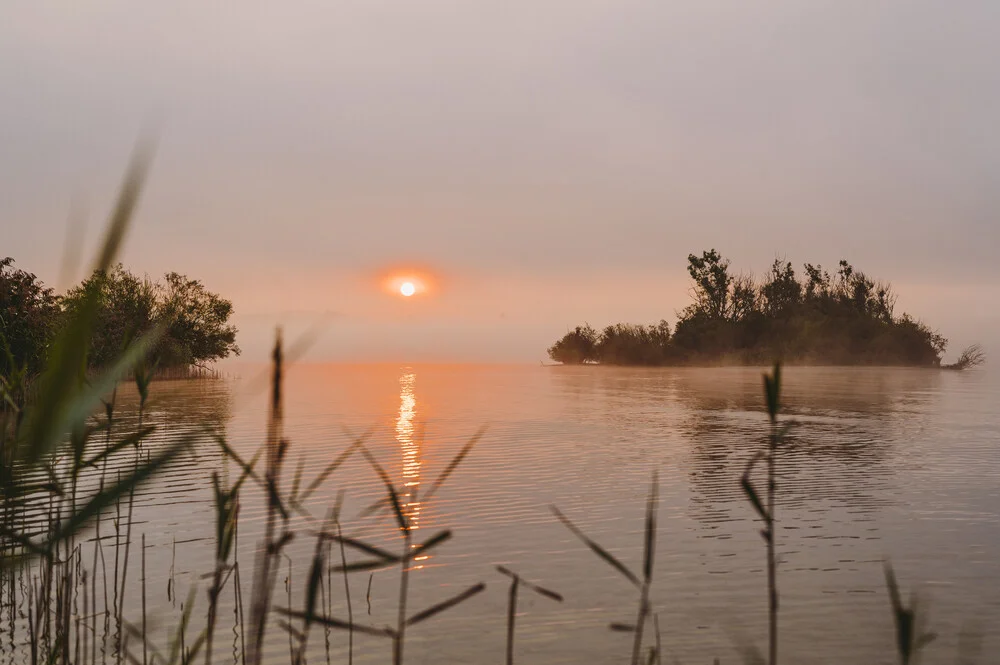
[880,463]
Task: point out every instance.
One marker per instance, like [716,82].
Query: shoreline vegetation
[847,318]
[190,323]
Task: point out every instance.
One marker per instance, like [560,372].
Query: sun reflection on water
[410,443]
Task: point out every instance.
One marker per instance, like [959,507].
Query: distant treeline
[842,319]
[195,321]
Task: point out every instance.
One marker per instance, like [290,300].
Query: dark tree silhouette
[28,314]
[577,346]
[197,328]
[847,320]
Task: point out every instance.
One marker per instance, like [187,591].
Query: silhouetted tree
[28,314]
[818,284]
[712,281]
[744,299]
[129,307]
[626,344]
[577,346]
[198,331]
[781,293]
[846,320]
[197,321]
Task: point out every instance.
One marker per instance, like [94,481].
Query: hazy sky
[551,162]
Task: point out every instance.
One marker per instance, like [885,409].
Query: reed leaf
[313,585]
[362,546]
[503,570]
[359,566]
[390,488]
[444,605]
[109,495]
[749,490]
[448,470]
[233,455]
[61,402]
[650,544]
[333,466]
[429,544]
[337,623]
[131,440]
[597,549]
[772,390]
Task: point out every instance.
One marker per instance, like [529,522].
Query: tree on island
[196,321]
[576,347]
[844,319]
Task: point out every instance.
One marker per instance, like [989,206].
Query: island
[847,318]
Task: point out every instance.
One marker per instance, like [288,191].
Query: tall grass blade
[128,484]
[128,197]
[597,549]
[337,623]
[362,546]
[131,440]
[772,391]
[51,414]
[511,617]
[466,449]
[347,587]
[429,544]
[333,466]
[390,488]
[749,490]
[503,570]
[650,544]
[442,606]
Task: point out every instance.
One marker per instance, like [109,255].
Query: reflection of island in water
[844,449]
[410,443]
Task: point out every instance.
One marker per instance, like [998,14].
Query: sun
[406,282]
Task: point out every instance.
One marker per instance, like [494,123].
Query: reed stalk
[145,658]
[264,568]
[347,595]
[766,511]
[516,581]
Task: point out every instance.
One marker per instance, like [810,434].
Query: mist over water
[881,462]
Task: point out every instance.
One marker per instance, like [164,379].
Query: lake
[897,463]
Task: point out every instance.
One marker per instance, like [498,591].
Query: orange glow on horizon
[407,282]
